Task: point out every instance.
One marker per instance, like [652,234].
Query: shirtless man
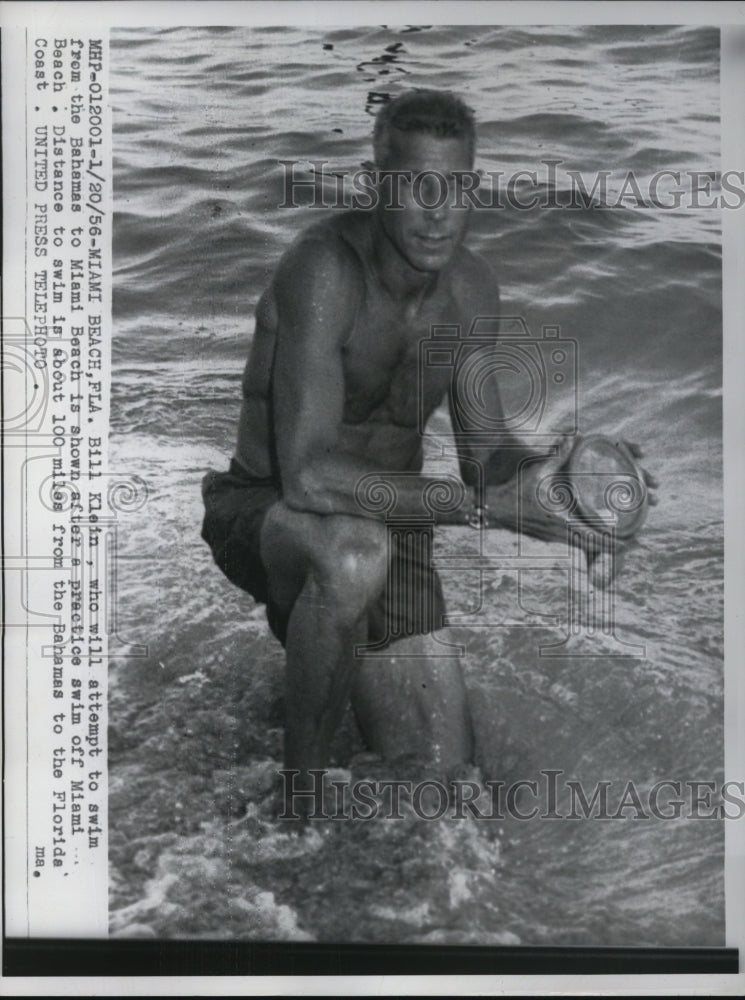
[331,394]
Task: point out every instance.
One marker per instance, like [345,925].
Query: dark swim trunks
[411,603]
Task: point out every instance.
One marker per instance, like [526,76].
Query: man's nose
[433,194]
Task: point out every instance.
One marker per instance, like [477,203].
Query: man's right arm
[317,289]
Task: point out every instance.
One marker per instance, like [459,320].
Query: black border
[75,957]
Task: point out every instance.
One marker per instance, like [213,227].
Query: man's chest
[386,375]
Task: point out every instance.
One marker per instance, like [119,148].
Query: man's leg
[324,573]
[412,702]
[409,704]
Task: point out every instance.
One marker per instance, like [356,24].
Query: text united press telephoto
[417,348]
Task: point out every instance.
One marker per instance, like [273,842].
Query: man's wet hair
[433,112]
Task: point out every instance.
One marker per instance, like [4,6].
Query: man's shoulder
[319,279]
[323,246]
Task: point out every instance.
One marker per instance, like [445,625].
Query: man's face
[427,237]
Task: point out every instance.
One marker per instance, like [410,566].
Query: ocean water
[202,118]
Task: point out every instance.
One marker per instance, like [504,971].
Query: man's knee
[351,562]
[345,557]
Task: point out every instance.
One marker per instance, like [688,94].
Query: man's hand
[540,500]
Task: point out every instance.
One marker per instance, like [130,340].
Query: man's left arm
[490,463]
[488,459]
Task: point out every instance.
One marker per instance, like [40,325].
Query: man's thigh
[235,507]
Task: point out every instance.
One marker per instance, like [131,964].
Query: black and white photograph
[351,265]
[372,437]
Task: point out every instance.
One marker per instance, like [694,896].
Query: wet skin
[332,385]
